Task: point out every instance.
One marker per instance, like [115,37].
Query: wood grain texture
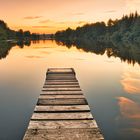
[62,116]
[62,112]
[62,124]
[61,89]
[60,83]
[61,97]
[61,86]
[62,108]
[62,101]
[61,92]
[64,134]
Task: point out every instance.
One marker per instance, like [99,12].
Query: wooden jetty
[62,112]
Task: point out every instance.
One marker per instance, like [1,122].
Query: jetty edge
[62,111]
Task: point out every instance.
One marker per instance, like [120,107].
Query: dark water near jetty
[108,75]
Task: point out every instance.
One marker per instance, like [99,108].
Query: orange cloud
[129,118]
[45,21]
[131,80]
[32,17]
[128,108]
[70,11]
[110,11]
[42,26]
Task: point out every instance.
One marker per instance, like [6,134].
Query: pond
[110,81]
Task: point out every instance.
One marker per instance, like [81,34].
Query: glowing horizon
[49,16]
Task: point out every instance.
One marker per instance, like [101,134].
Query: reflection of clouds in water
[109,61]
[34,56]
[80,59]
[46,52]
[129,117]
[128,108]
[131,80]
[40,47]
[59,50]
[45,47]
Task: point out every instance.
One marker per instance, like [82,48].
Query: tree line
[7,34]
[126,29]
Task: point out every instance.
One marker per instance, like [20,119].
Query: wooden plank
[62,116]
[63,108]
[64,134]
[61,89]
[61,97]
[61,102]
[60,70]
[61,92]
[61,86]
[61,83]
[62,80]
[62,112]
[62,124]
[61,75]
[59,78]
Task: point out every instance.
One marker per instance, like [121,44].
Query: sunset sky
[48,16]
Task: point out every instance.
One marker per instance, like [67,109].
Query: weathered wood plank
[60,70]
[62,80]
[61,102]
[64,134]
[61,92]
[61,86]
[59,78]
[63,108]
[61,75]
[62,124]
[62,116]
[61,97]
[62,112]
[61,89]
[61,83]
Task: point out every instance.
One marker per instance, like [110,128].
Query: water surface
[111,85]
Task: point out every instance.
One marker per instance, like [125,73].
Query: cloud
[45,21]
[77,14]
[42,26]
[128,108]
[34,57]
[32,17]
[74,14]
[132,5]
[129,116]
[82,22]
[110,11]
[131,80]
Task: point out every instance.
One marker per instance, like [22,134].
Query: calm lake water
[111,86]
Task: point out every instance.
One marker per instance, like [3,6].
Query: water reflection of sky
[112,88]
[131,79]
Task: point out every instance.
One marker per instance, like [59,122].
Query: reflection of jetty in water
[127,53]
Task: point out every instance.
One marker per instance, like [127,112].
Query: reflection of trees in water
[5,47]
[126,52]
